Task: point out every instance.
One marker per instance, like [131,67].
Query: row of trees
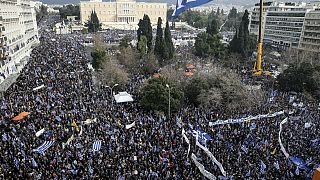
[163,48]
[208,44]
[214,90]
[69,10]
[93,24]
[243,43]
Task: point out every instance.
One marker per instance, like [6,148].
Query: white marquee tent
[123,97]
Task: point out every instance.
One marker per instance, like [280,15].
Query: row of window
[127,12]
[284,23]
[311,15]
[125,5]
[311,47]
[286,14]
[283,33]
[294,29]
[314,41]
[312,28]
[285,19]
[284,38]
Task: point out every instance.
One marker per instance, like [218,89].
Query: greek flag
[244,148]
[96,146]
[46,145]
[183,5]
[298,161]
[202,136]
[276,165]
[262,168]
[16,163]
[4,137]
[34,163]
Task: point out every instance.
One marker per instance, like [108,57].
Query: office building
[19,33]
[282,23]
[310,39]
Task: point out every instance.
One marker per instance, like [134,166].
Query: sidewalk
[8,82]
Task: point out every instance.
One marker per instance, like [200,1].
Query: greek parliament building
[122,14]
[18,34]
[289,25]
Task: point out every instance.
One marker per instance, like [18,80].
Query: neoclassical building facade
[122,12]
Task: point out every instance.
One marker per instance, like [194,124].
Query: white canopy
[123,97]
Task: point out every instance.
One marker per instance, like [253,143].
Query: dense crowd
[154,147]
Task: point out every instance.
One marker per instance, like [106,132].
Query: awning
[123,97]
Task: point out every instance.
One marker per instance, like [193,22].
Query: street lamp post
[111,88]
[167,85]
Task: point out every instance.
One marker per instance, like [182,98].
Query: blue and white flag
[96,146]
[183,5]
[46,145]
[203,136]
[34,163]
[276,165]
[4,137]
[297,171]
[262,168]
[244,148]
[253,126]
[16,163]
[298,161]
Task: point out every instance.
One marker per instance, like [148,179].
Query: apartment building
[19,33]
[310,39]
[122,13]
[282,23]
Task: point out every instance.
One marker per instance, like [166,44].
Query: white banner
[40,132]
[201,168]
[130,125]
[39,87]
[89,121]
[280,142]
[187,140]
[212,158]
[244,119]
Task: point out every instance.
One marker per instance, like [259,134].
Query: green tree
[145,29]
[233,13]
[93,23]
[125,41]
[155,95]
[194,88]
[41,13]
[218,11]
[98,53]
[159,48]
[142,45]
[201,45]
[243,43]
[299,78]
[69,10]
[213,28]
[169,48]
[98,56]
[207,45]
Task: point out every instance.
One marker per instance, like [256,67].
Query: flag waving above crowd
[183,5]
